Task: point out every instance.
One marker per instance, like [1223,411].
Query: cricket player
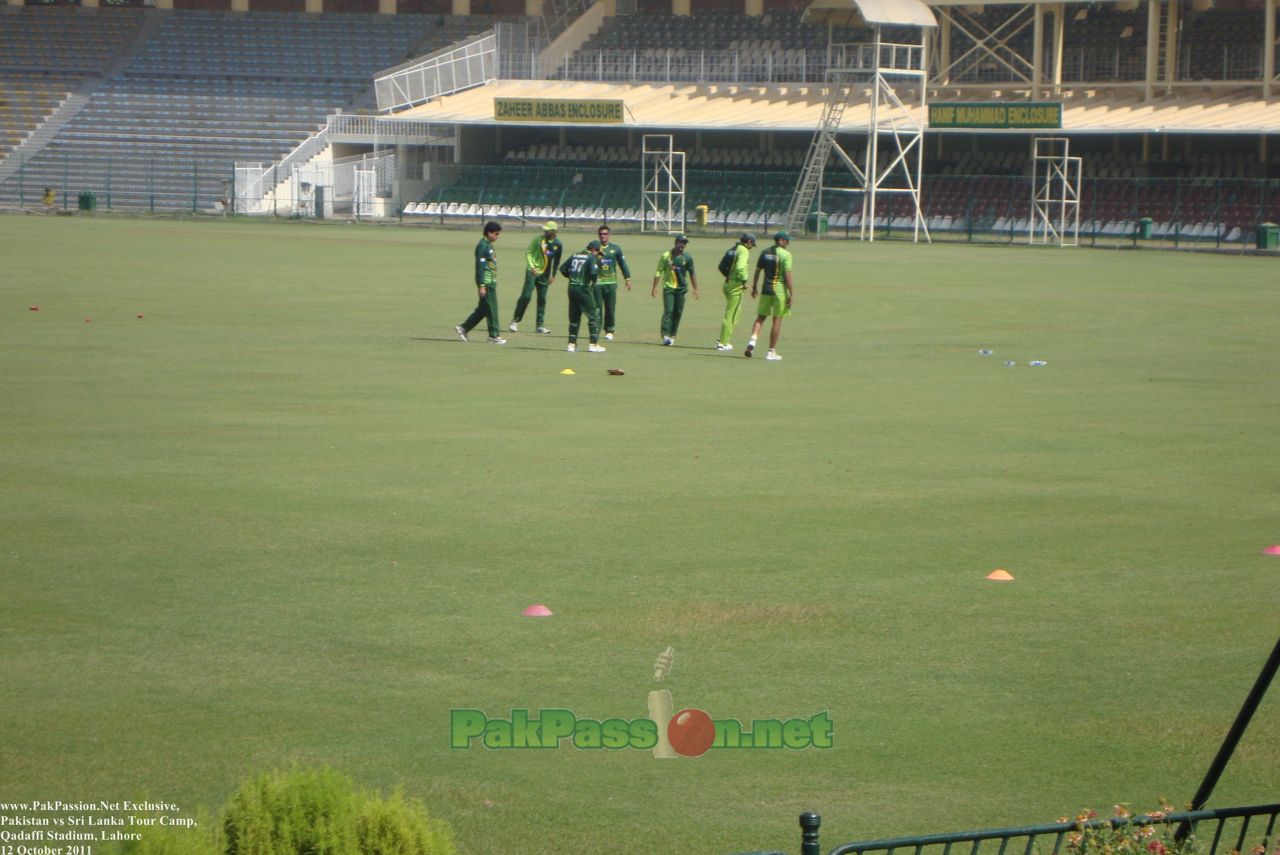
[675,272]
[581,269]
[734,285]
[541,260]
[611,261]
[486,286]
[775,299]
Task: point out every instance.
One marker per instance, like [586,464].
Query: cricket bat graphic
[660,707]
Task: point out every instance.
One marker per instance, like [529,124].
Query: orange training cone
[537,610]
[1000,575]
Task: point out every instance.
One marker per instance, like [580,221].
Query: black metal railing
[1221,831]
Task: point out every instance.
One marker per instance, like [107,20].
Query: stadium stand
[1103,43]
[712,46]
[45,55]
[179,96]
[208,89]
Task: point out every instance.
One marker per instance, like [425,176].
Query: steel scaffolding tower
[662,184]
[877,65]
[1055,192]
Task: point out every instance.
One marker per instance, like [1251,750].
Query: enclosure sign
[976,115]
[558,110]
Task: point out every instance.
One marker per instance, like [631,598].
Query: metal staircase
[815,162]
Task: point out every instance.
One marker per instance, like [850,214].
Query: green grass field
[287,517]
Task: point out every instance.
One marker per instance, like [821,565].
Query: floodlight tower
[878,64]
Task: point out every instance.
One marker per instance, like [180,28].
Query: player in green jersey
[776,297]
[675,272]
[734,285]
[581,269]
[541,260]
[611,261]
[486,286]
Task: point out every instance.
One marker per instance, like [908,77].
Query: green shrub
[204,838]
[320,812]
[400,826]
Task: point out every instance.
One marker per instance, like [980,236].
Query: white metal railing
[360,178]
[687,65]
[249,187]
[305,150]
[893,58]
[388,128]
[453,69]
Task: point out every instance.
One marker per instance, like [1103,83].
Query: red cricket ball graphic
[691,732]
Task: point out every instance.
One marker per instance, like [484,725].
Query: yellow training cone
[1000,575]
[567,371]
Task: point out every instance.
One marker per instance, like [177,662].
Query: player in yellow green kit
[541,260]
[734,285]
[675,272]
[775,299]
[581,269]
[611,261]
[486,286]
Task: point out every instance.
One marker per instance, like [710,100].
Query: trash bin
[1144,228]
[88,201]
[1268,236]
[319,197]
[816,223]
[701,214]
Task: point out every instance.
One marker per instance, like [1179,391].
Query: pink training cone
[537,610]
[1000,575]
[1272,550]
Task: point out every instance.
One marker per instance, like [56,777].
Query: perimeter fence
[1177,212]
[1223,831]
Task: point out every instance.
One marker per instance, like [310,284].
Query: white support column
[753,8]
[682,8]
[462,7]
[314,7]
[89,4]
[944,44]
[1059,40]
[1269,48]
[533,8]
[239,5]
[1153,48]
[1037,50]
[1171,43]
[386,7]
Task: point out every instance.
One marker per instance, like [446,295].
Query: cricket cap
[747,237]
[681,239]
[549,226]
[782,236]
[595,244]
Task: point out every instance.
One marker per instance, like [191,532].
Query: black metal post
[809,824]
[1233,738]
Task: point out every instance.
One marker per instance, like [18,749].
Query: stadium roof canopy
[843,12]
[798,107]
